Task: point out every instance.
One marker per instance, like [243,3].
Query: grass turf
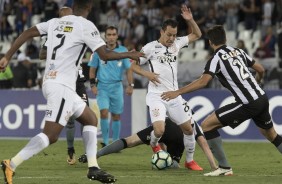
[253,163]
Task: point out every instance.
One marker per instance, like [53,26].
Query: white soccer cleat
[220,172]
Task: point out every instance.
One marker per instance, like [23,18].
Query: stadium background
[22,110]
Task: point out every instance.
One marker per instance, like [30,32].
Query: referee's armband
[93,82]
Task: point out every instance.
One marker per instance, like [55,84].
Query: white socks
[154,140]
[34,146]
[89,135]
[189,143]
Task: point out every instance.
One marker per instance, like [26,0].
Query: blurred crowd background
[253,25]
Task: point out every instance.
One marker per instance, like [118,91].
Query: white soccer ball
[161,160]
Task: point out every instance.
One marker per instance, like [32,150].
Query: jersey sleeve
[94,61]
[43,27]
[147,51]
[182,41]
[211,66]
[249,60]
[92,37]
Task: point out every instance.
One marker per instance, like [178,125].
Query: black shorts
[234,114]
[172,138]
[81,91]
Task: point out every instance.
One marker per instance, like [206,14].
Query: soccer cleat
[83,158]
[97,174]
[103,144]
[156,148]
[220,172]
[193,166]
[71,157]
[174,165]
[8,172]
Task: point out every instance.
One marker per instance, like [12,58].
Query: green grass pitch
[253,163]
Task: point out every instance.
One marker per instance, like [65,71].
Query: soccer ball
[161,160]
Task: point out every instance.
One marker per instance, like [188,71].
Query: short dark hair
[216,35]
[169,22]
[82,4]
[111,28]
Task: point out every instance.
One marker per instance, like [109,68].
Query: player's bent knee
[52,139]
[88,117]
[159,132]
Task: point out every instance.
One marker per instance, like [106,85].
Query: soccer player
[80,90]
[162,56]
[68,38]
[172,140]
[230,65]
[107,86]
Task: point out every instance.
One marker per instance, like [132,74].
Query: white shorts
[176,109]
[62,103]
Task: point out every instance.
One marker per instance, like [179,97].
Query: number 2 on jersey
[243,71]
[62,37]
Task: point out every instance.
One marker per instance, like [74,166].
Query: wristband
[93,82]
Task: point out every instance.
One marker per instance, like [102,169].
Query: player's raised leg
[36,144]
[209,126]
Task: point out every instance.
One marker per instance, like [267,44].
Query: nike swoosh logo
[157,52]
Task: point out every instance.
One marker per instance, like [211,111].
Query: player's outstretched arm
[188,17]
[195,85]
[260,71]
[202,142]
[26,35]
[108,55]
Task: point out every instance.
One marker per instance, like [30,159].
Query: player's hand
[153,77]
[169,95]
[3,64]
[186,13]
[129,90]
[94,90]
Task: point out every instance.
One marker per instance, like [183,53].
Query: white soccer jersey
[163,61]
[68,38]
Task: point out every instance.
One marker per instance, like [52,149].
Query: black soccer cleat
[103,145]
[83,158]
[97,174]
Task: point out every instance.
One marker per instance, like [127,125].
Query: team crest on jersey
[68,116]
[156,112]
[68,29]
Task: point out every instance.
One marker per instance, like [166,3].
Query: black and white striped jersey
[230,65]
